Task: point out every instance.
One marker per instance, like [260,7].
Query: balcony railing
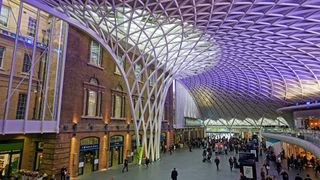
[312,136]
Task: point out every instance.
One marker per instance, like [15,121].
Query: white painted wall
[185,105]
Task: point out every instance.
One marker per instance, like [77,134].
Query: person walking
[242,177]
[308,177]
[125,165]
[262,174]
[147,162]
[278,165]
[284,174]
[217,161]
[298,177]
[174,174]
[267,167]
[204,155]
[317,169]
[231,163]
[63,173]
[235,162]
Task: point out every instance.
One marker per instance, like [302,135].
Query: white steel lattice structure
[240,59]
[158,47]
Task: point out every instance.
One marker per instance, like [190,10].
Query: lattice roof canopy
[258,55]
[269,57]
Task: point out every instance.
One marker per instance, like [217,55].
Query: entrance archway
[116,150]
[89,155]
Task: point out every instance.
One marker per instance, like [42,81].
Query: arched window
[92,99]
[118,103]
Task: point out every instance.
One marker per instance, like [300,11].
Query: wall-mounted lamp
[65,127]
[90,126]
[106,127]
[128,128]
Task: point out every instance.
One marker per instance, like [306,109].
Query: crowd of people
[214,147]
[219,146]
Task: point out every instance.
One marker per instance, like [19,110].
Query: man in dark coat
[147,162]
[125,165]
[217,161]
[174,174]
[63,173]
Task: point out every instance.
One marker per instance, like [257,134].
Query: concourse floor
[189,166]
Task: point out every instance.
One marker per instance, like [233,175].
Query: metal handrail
[312,136]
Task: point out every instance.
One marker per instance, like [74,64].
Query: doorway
[89,155]
[9,164]
[10,158]
[116,151]
[88,162]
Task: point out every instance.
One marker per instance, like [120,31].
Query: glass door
[88,162]
[4,164]
[9,164]
[14,164]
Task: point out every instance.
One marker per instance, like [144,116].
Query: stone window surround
[87,86]
[118,92]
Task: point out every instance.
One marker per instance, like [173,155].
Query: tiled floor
[188,164]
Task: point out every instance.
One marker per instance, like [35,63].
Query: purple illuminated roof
[269,58]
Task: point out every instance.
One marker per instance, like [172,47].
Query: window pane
[21,106]
[152,79]
[32,26]
[4,15]
[92,103]
[26,63]
[137,71]
[95,53]
[2,49]
[122,64]
[117,112]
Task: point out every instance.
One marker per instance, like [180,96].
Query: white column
[34,52]
[48,68]
[62,74]
[13,63]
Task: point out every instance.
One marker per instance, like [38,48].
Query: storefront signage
[89,147]
[116,144]
[21,38]
[81,164]
[246,157]
[11,146]
[193,122]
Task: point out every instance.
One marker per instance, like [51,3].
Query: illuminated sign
[193,122]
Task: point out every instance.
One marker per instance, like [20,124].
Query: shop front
[89,155]
[10,157]
[295,151]
[116,150]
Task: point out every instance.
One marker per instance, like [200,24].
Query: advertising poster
[248,171]
[139,153]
